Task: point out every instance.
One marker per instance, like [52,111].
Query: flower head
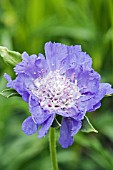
[56,92]
[64,83]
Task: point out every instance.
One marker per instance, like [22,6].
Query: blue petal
[79,58]
[29,127]
[72,74]
[76,125]
[20,85]
[27,71]
[77,113]
[32,66]
[33,101]
[95,107]
[25,96]
[68,112]
[38,114]
[62,57]
[55,54]
[88,81]
[94,103]
[68,129]
[26,65]
[45,126]
[107,87]
[8,78]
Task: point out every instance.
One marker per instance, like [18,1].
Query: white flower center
[56,92]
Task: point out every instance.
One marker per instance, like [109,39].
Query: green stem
[53,149]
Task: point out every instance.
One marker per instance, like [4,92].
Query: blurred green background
[25,25]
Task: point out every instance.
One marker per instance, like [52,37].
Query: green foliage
[10,57]
[26,26]
[9,93]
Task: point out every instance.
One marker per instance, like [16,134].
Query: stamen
[56,92]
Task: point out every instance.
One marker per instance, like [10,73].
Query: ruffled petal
[26,65]
[107,87]
[27,71]
[22,85]
[33,101]
[32,66]
[62,57]
[41,66]
[77,112]
[29,127]
[45,126]
[88,81]
[55,54]
[68,129]
[8,78]
[39,115]
[19,85]
[77,58]
[70,112]
[76,126]
[94,103]
[95,107]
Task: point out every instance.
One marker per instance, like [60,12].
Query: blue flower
[64,83]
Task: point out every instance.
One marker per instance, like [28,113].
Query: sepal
[9,93]
[55,123]
[87,126]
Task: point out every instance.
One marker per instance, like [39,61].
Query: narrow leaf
[9,93]
[87,126]
[10,57]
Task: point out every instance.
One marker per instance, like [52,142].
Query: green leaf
[9,93]
[87,126]
[10,57]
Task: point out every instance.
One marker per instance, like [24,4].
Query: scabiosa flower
[64,83]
